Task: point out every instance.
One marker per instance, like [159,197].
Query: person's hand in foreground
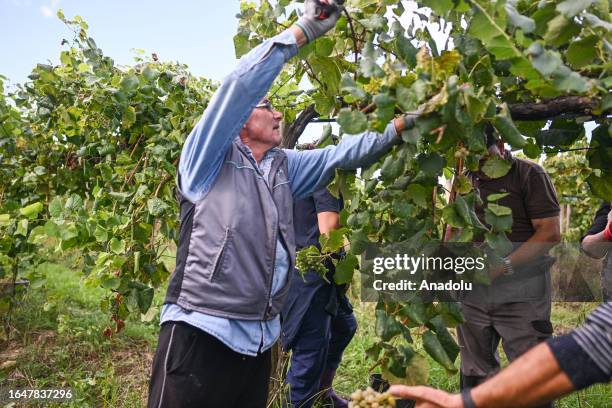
[533,379]
[427,397]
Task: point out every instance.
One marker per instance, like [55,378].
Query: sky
[197,33]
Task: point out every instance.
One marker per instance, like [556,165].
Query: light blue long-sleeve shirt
[203,154]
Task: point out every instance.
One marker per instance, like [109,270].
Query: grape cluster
[306,260]
[369,398]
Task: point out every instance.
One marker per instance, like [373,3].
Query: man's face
[263,126]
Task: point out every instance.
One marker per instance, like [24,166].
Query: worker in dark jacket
[597,244]
[318,321]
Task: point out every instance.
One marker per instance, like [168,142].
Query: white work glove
[319,17]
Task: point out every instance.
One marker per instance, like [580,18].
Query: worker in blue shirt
[317,318]
[236,238]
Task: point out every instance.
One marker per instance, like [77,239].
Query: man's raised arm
[312,170]
[240,91]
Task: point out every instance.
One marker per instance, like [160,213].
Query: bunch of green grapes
[369,398]
[310,259]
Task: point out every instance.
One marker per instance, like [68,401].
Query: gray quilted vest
[227,243]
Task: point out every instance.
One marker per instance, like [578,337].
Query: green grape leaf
[601,185]
[22,227]
[532,150]
[582,52]
[415,312]
[129,117]
[332,241]
[392,168]
[359,241]
[157,207]
[496,167]
[145,298]
[447,341]
[570,8]
[352,122]
[499,210]
[498,222]
[368,66]
[463,185]
[117,246]
[324,46]
[418,194]
[345,268]
[518,20]
[406,51]
[100,234]
[434,348]
[347,84]
[560,31]
[387,326]
[600,154]
[499,242]
[402,209]
[431,164]
[129,83]
[31,211]
[496,196]
[452,217]
[506,128]
[415,373]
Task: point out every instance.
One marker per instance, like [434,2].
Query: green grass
[58,343]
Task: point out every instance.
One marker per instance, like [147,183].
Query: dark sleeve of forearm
[585,354]
[600,220]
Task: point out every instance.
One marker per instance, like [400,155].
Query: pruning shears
[326,8]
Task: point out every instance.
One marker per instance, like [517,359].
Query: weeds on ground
[58,343]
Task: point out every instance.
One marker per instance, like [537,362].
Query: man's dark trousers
[487,324]
[193,369]
[319,344]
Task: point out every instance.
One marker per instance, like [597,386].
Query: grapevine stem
[448,231]
[476,64]
[136,145]
[374,366]
[284,83]
[377,44]
[129,178]
[161,184]
[369,108]
[312,73]
[165,179]
[355,42]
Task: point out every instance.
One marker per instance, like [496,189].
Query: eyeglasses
[265,105]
